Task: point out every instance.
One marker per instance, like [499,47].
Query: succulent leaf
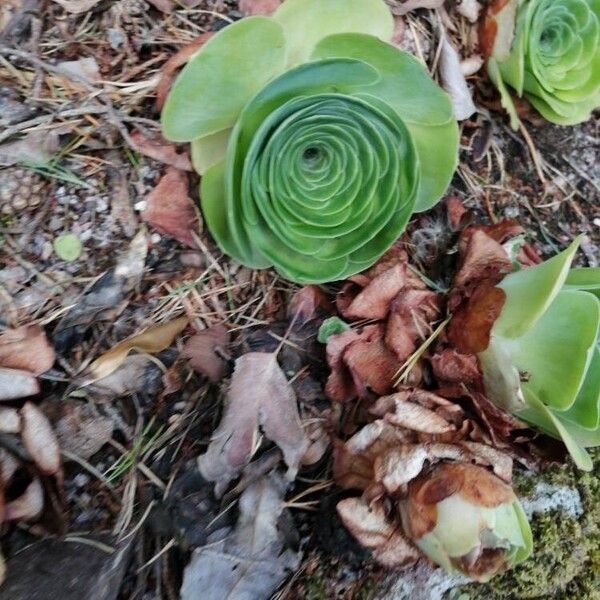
[549,52]
[315,138]
[543,361]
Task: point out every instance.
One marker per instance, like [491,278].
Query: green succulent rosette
[315,138]
[549,52]
[543,361]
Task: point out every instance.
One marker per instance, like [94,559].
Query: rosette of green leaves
[543,361]
[315,138]
[549,52]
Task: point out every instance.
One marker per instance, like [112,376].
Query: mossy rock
[566,561]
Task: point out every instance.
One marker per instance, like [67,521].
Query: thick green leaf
[540,415]
[556,352]
[586,279]
[306,22]
[209,150]
[529,292]
[222,76]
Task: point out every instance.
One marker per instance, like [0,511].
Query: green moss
[566,560]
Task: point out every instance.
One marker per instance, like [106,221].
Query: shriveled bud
[465,518]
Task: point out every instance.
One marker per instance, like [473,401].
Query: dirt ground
[155,421]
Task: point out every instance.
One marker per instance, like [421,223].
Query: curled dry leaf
[252,560]
[26,348]
[370,526]
[17,384]
[170,210]
[161,150]
[152,340]
[450,366]
[471,325]
[259,396]
[202,352]
[134,374]
[170,68]
[259,7]
[454,82]
[482,257]
[359,363]
[28,505]
[39,439]
[411,316]
[373,301]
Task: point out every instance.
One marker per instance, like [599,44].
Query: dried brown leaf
[35,147]
[83,68]
[161,150]
[39,439]
[201,350]
[26,348]
[373,302]
[259,396]
[309,302]
[482,257]
[152,340]
[412,313]
[165,6]
[450,366]
[418,418]
[471,325]
[369,525]
[170,210]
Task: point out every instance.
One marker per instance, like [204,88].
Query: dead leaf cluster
[415,430]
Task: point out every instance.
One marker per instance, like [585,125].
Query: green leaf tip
[543,361]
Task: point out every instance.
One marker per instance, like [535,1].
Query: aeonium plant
[543,360]
[547,51]
[315,138]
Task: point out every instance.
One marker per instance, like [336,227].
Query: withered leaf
[254,558]
[470,328]
[152,340]
[450,366]
[201,351]
[77,6]
[259,396]
[28,505]
[170,210]
[369,525]
[482,257]
[412,313]
[161,150]
[26,348]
